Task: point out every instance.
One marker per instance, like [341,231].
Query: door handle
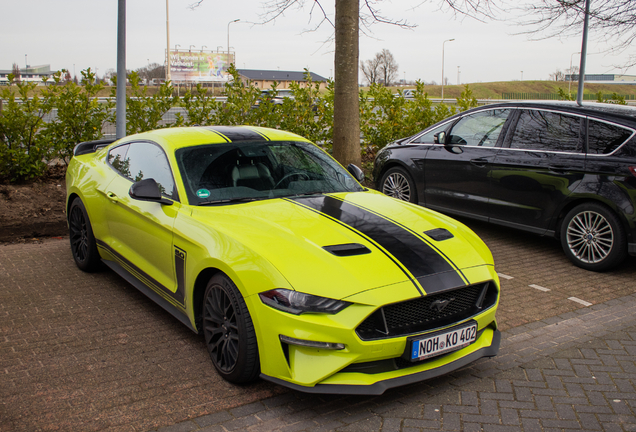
[559,169]
[112,196]
[480,162]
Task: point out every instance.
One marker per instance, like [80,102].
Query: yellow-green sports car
[291,269]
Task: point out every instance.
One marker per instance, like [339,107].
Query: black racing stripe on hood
[431,270]
[235,134]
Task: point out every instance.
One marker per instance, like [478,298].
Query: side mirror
[147,190]
[356,172]
[440,138]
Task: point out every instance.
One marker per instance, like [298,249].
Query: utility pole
[120,123]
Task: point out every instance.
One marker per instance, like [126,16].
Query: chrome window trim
[584,116]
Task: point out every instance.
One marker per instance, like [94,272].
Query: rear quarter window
[605,138]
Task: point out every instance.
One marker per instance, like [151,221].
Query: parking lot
[87,352]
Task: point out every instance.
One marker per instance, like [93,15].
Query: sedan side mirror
[440,138]
[356,172]
[147,190]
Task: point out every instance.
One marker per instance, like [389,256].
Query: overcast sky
[77,34]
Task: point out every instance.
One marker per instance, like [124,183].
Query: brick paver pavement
[566,374]
[87,352]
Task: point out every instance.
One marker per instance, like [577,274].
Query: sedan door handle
[112,196]
[480,162]
[559,169]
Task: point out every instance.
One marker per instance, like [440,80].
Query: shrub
[24,151]
[80,115]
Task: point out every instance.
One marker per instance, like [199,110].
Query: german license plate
[427,346]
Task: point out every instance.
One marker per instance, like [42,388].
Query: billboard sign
[200,66]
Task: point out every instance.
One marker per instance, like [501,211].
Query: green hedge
[29,144]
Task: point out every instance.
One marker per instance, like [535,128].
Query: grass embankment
[494,90]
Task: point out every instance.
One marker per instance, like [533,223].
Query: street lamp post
[168,74]
[571,74]
[228,39]
[443,43]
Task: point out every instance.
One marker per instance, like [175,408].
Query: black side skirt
[382,386]
[169,307]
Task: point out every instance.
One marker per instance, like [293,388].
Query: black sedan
[554,169]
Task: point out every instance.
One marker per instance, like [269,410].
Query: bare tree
[611,20]
[152,71]
[557,75]
[371,69]
[388,67]
[15,70]
[349,14]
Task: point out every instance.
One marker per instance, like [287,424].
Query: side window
[479,129]
[547,131]
[117,158]
[429,137]
[140,161]
[604,138]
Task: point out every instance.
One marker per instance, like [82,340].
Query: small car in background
[554,169]
[289,268]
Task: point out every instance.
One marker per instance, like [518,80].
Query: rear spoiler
[91,146]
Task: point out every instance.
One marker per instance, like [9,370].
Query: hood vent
[439,234]
[348,249]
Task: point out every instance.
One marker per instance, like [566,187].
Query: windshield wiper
[229,200]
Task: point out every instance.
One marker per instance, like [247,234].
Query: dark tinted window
[547,131]
[138,161]
[604,138]
[479,129]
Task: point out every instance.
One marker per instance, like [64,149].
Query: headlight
[296,302]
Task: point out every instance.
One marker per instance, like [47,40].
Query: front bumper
[353,370]
[379,387]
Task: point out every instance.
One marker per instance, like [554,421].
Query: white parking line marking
[578,300]
[540,288]
[503,276]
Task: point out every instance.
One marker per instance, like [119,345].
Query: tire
[83,245]
[397,183]
[229,331]
[593,237]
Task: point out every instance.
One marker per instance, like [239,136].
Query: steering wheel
[289,175]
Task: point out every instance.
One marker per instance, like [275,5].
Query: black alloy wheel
[229,331]
[593,238]
[397,183]
[83,245]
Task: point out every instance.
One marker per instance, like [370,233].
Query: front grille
[422,314]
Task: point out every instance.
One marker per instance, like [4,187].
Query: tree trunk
[346,122]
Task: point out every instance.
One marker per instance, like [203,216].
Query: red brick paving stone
[88,352]
[531,259]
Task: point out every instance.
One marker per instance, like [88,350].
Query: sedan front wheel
[593,237]
[397,183]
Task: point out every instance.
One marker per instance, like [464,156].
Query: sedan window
[604,138]
[547,131]
[479,129]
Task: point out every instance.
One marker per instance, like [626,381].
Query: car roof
[596,109]
[180,137]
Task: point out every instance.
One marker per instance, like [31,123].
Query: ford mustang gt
[292,271]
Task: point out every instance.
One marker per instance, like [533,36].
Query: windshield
[247,171]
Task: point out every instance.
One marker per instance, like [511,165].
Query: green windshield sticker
[203,193]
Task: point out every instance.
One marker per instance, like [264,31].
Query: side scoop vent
[439,234]
[349,249]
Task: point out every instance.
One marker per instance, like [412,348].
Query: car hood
[339,245]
